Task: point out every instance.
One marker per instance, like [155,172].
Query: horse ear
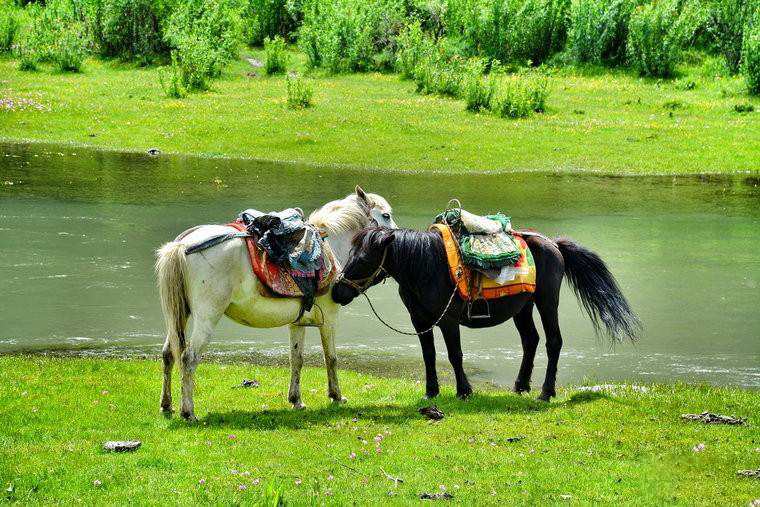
[362,195]
[388,239]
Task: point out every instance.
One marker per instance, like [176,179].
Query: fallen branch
[395,480]
[710,418]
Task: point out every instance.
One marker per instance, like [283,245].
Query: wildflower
[355,419]
[104,392]
[202,481]
[756,503]
[698,448]
[330,478]
[352,455]
[234,472]
[256,482]
[242,487]
[231,437]
[97,483]
[378,438]
[298,482]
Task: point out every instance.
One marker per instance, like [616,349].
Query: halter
[368,281]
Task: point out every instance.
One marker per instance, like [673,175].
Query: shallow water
[78,229]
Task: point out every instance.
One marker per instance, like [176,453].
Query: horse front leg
[428,355]
[529,338]
[327,333]
[296,363]
[454,348]
[166,388]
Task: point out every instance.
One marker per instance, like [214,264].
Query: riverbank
[596,120]
[624,446]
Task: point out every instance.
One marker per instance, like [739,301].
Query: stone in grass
[432,412]
[436,496]
[750,473]
[710,418]
[248,383]
[122,446]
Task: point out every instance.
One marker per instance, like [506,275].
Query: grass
[622,447]
[377,121]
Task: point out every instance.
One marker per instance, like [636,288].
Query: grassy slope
[625,447]
[377,121]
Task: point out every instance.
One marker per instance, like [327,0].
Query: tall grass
[657,35]
[9,27]
[751,56]
[598,30]
[300,92]
[726,22]
[276,57]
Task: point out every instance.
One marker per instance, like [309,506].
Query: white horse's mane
[347,214]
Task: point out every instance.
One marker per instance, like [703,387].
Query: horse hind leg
[529,338]
[202,330]
[166,389]
[550,319]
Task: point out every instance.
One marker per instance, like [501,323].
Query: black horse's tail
[598,291]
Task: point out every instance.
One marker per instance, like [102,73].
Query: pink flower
[202,482]
[352,455]
[378,438]
[231,437]
[698,448]
[242,487]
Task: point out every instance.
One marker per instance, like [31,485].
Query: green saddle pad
[492,249]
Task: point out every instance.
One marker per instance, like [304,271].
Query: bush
[413,47]
[524,31]
[9,26]
[348,35]
[477,90]
[299,92]
[264,19]
[69,49]
[519,96]
[726,24]
[54,36]
[751,57]
[172,81]
[657,33]
[438,75]
[129,29]
[598,30]
[277,58]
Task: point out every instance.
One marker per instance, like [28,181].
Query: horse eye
[387,216]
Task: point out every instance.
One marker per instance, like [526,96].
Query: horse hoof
[299,406]
[430,396]
[521,388]
[464,395]
[544,396]
[339,399]
[166,411]
[190,418]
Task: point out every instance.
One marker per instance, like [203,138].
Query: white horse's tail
[171,266]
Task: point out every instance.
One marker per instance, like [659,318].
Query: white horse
[220,281]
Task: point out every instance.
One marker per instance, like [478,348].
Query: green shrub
[598,30]
[520,95]
[129,29]
[299,92]
[523,31]
[441,76]
[726,23]
[172,80]
[657,33]
[9,27]
[264,19]
[478,90]
[69,48]
[348,35]
[413,47]
[751,57]
[276,56]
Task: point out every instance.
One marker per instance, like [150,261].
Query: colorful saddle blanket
[473,284]
[277,277]
[484,242]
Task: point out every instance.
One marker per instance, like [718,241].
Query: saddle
[505,256]
[277,279]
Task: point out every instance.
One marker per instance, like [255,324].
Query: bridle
[361,285]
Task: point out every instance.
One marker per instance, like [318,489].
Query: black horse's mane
[418,256]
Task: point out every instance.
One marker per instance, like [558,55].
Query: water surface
[78,229]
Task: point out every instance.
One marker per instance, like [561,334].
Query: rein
[367,283]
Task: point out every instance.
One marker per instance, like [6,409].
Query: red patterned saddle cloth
[277,278]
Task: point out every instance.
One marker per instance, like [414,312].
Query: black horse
[417,261]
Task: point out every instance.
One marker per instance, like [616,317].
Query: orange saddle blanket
[473,284]
[277,278]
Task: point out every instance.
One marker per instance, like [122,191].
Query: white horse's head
[343,218]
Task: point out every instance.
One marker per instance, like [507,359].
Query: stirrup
[471,304]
